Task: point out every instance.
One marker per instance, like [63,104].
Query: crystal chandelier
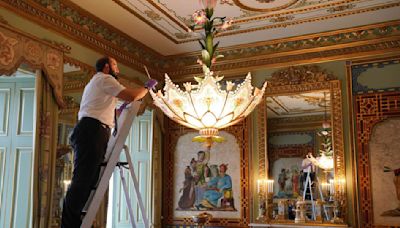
[206,106]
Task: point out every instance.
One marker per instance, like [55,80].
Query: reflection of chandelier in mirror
[206,106]
[325,160]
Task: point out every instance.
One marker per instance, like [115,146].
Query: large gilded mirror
[75,76]
[301,169]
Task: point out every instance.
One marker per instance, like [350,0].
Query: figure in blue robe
[216,188]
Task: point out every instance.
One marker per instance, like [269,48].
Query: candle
[258,186]
[270,186]
[341,185]
[331,186]
[325,186]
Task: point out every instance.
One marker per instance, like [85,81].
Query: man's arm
[132,94]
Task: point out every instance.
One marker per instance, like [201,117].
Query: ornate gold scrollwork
[304,79]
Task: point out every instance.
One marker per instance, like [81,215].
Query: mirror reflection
[74,80]
[300,155]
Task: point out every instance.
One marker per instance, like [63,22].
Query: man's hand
[151,84]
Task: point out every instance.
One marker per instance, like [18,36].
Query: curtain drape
[45,152]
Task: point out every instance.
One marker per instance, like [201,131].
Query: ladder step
[122,164]
[103,164]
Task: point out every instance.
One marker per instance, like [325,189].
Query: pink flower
[199,17]
[210,4]
[226,24]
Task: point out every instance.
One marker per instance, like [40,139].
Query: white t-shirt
[99,98]
[310,168]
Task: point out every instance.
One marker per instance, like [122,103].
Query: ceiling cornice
[73,22]
[362,41]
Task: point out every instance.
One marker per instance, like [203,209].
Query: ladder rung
[123,164]
[103,164]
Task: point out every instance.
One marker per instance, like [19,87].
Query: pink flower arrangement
[205,19]
[199,17]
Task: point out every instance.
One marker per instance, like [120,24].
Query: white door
[139,142]
[17,112]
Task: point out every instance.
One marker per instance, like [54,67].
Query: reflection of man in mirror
[308,170]
[396,181]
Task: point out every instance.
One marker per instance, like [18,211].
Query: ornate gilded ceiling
[163,24]
[295,105]
[266,33]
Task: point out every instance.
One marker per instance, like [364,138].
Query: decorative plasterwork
[71,21]
[17,47]
[358,69]
[172,20]
[71,106]
[299,75]
[76,81]
[370,109]
[329,44]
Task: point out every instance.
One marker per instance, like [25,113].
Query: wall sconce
[265,190]
[339,194]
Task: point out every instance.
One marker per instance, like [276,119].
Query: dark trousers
[307,187]
[89,140]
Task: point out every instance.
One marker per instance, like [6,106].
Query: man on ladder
[91,134]
[309,178]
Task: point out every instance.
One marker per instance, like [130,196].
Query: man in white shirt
[308,169]
[90,136]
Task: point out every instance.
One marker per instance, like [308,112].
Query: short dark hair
[101,63]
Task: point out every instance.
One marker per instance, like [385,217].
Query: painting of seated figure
[207,180]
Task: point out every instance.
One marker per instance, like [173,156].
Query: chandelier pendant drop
[209,105]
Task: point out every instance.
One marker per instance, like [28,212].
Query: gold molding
[125,7]
[293,83]
[334,7]
[370,109]
[243,6]
[274,53]
[358,207]
[76,86]
[305,56]
[50,19]
[297,22]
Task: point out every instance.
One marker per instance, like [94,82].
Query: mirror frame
[302,79]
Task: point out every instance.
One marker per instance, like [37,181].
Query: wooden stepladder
[114,148]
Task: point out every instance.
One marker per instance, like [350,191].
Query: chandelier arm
[226,115]
[223,107]
[247,106]
[194,108]
[232,122]
[186,124]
